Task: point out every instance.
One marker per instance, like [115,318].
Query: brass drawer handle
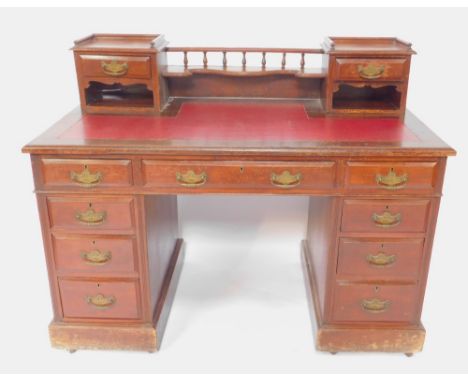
[286,179]
[381,259]
[96,257]
[386,219]
[100,301]
[392,181]
[190,179]
[375,305]
[85,178]
[114,68]
[371,71]
[91,217]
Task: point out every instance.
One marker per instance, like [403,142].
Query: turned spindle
[224,60]
[205,59]
[244,60]
[302,60]
[283,61]
[263,60]
[185,60]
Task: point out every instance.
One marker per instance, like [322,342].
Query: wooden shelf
[364,105]
[238,71]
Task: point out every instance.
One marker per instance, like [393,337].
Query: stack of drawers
[380,273]
[93,239]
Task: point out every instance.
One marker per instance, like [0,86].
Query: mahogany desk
[107,191]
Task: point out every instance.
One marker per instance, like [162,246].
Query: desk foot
[335,338]
[409,354]
[136,336]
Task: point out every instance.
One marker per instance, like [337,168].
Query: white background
[241,304]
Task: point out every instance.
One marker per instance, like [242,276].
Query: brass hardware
[91,217]
[371,71]
[286,179]
[190,179]
[100,301]
[391,181]
[114,68]
[86,178]
[375,305]
[386,219]
[381,259]
[96,257]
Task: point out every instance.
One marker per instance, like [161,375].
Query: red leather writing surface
[237,121]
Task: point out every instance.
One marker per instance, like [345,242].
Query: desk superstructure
[107,178]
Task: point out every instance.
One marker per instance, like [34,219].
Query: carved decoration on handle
[86,178]
[371,71]
[96,257]
[381,259]
[91,217]
[191,179]
[100,301]
[375,305]
[114,68]
[386,219]
[286,179]
[392,181]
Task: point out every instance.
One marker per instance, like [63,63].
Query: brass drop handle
[286,179]
[100,301]
[191,179]
[91,217]
[114,68]
[96,257]
[375,305]
[386,219]
[86,178]
[371,71]
[381,259]
[392,181]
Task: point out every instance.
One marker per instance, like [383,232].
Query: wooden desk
[107,191]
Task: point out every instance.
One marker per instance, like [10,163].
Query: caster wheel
[409,354]
[71,351]
[333,352]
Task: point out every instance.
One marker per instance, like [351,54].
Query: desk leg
[319,259]
[159,261]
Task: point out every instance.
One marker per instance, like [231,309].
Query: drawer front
[375,303]
[391,176]
[115,66]
[100,299]
[94,255]
[287,177]
[390,260]
[384,216]
[91,214]
[360,69]
[86,173]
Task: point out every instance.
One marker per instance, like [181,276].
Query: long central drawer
[266,176]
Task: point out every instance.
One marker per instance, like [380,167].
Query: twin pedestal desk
[108,174]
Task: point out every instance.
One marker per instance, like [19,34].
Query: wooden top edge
[358,151]
[120,42]
[243,49]
[366,45]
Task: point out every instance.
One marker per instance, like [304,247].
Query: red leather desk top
[237,122]
[239,128]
